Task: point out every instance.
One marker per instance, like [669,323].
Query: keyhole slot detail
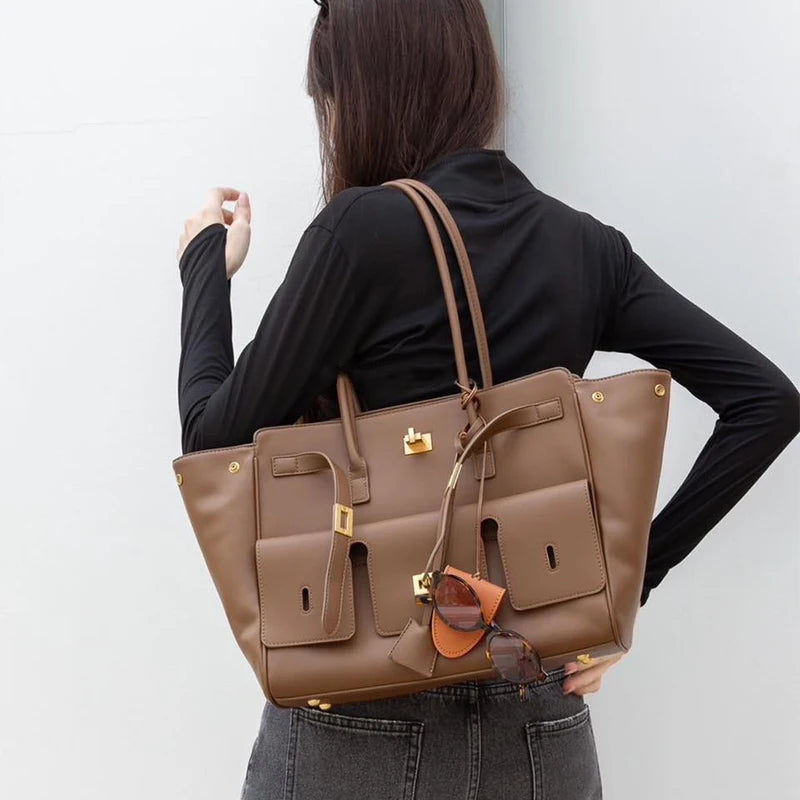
[305,596]
[552,558]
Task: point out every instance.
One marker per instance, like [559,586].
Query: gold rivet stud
[314,701]
[324,706]
[233,466]
[598,397]
[585,658]
[179,478]
[660,389]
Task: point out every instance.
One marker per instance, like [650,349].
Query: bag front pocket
[549,544]
[291,584]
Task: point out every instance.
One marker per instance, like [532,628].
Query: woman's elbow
[786,423]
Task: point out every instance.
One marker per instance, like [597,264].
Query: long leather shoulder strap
[444,274]
[467,274]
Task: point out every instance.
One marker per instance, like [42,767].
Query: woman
[415,90]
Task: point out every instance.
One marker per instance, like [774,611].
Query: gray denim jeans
[469,741]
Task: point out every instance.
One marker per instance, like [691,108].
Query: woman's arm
[309,330]
[758,407]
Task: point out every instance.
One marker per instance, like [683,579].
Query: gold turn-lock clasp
[415,442]
[422,582]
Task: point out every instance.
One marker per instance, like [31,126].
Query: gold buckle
[342,519]
[422,580]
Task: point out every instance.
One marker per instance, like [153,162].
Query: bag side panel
[217,487]
[625,434]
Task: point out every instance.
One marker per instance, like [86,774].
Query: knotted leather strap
[341,525]
[513,418]
[415,648]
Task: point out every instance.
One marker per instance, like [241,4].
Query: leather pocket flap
[549,544]
[291,583]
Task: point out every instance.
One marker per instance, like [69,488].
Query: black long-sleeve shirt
[362,295]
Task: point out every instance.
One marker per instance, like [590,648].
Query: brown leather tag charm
[452,643]
[414,648]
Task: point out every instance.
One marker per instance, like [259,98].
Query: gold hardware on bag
[343,519]
[422,580]
[355,458]
[415,442]
[180,479]
[660,389]
[585,658]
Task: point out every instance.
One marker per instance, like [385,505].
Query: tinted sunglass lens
[513,659]
[456,604]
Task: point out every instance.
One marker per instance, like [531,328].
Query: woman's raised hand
[238,221]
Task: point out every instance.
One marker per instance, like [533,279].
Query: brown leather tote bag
[317,534]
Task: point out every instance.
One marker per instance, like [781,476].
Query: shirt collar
[476,173]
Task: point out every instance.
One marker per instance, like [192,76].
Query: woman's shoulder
[373,225]
[358,207]
[365,218]
[571,217]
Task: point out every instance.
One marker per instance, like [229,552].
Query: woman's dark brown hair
[406,81]
[403,82]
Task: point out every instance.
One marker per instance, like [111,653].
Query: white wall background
[118,675]
[678,123]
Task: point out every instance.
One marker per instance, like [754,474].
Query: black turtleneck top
[362,295]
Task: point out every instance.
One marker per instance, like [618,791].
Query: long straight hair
[395,85]
[404,82]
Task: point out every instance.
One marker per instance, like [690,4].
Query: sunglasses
[322,4]
[459,607]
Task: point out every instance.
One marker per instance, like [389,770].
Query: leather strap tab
[414,648]
[521,417]
[312,461]
[296,464]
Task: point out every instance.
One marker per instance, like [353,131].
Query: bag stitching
[347,595]
[559,599]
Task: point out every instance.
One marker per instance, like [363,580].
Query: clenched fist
[238,235]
